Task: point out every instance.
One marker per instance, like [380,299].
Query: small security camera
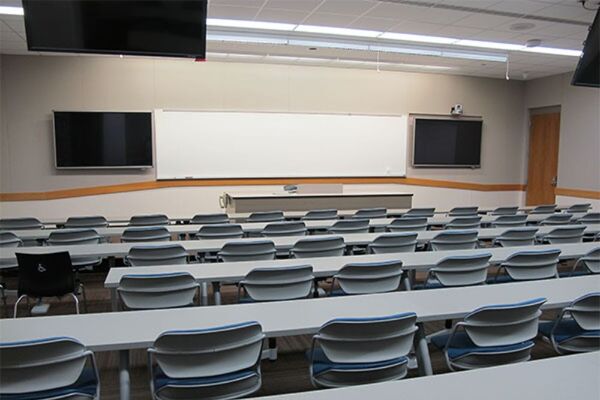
[456,109]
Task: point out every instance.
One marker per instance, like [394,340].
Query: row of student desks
[214,245]
[328,266]
[572,377]
[257,227]
[123,331]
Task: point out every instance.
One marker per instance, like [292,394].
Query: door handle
[554,181]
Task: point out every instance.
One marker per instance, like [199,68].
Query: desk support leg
[124,374]
[422,351]
[217,292]
[204,293]
[114,301]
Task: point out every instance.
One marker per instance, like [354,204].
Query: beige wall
[32,86]
[579,148]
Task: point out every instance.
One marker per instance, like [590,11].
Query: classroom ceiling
[559,24]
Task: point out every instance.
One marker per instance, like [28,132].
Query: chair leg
[21,297]
[76,300]
[82,291]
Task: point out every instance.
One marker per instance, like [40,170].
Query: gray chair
[492,335]
[259,250]
[214,363]
[399,242]
[510,221]
[220,231]
[95,221]
[458,271]
[157,291]
[49,368]
[517,237]
[463,211]
[579,208]
[557,219]
[146,234]
[529,265]
[577,327]
[77,237]
[168,254]
[14,224]
[356,351]
[505,211]
[9,240]
[344,226]
[275,229]
[315,215]
[367,278]
[408,224]
[368,213]
[454,240]
[266,216]
[328,246]
[277,284]
[590,218]
[206,219]
[420,212]
[590,263]
[149,220]
[464,223]
[565,234]
[544,209]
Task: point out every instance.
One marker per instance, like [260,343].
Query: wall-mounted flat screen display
[169,28]
[103,139]
[447,143]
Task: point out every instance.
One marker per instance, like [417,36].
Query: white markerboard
[199,144]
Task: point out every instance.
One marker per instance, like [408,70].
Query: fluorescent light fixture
[329,30]
[417,38]
[406,50]
[11,10]
[553,51]
[330,45]
[246,39]
[489,45]
[233,23]
[473,56]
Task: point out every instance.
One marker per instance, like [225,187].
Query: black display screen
[443,142]
[163,28]
[588,68]
[103,139]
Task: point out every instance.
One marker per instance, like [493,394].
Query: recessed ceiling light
[11,10]
[521,26]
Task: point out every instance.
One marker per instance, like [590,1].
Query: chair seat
[504,278]
[432,284]
[462,346]
[322,364]
[567,329]
[579,272]
[85,385]
[161,380]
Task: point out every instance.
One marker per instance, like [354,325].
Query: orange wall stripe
[150,185]
[585,194]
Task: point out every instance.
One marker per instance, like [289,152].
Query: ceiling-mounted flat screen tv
[103,139]
[588,68]
[450,143]
[170,28]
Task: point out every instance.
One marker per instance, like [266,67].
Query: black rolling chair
[47,275]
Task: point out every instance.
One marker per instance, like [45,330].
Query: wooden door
[543,158]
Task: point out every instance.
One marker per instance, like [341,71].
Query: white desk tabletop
[572,377]
[213,245]
[139,329]
[328,266]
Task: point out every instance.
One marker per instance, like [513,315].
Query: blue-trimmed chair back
[275,229]
[513,221]
[140,256]
[208,219]
[146,234]
[324,246]
[369,213]
[93,221]
[321,214]
[517,237]
[259,250]
[220,231]
[155,291]
[266,216]
[454,240]
[369,277]
[408,224]
[149,220]
[343,226]
[397,242]
[279,283]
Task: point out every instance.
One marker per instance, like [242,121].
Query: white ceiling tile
[13,44]
[566,43]
[494,36]
[296,5]
[518,6]
[566,12]
[483,21]
[459,32]
[326,19]
[11,36]
[279,15]
[230,12]
[440,16]
[470,3]
[560,30]
[238,3]
[11,3]
[15,22]
[400,11]
[346,7]
[374,24]
[420,28]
